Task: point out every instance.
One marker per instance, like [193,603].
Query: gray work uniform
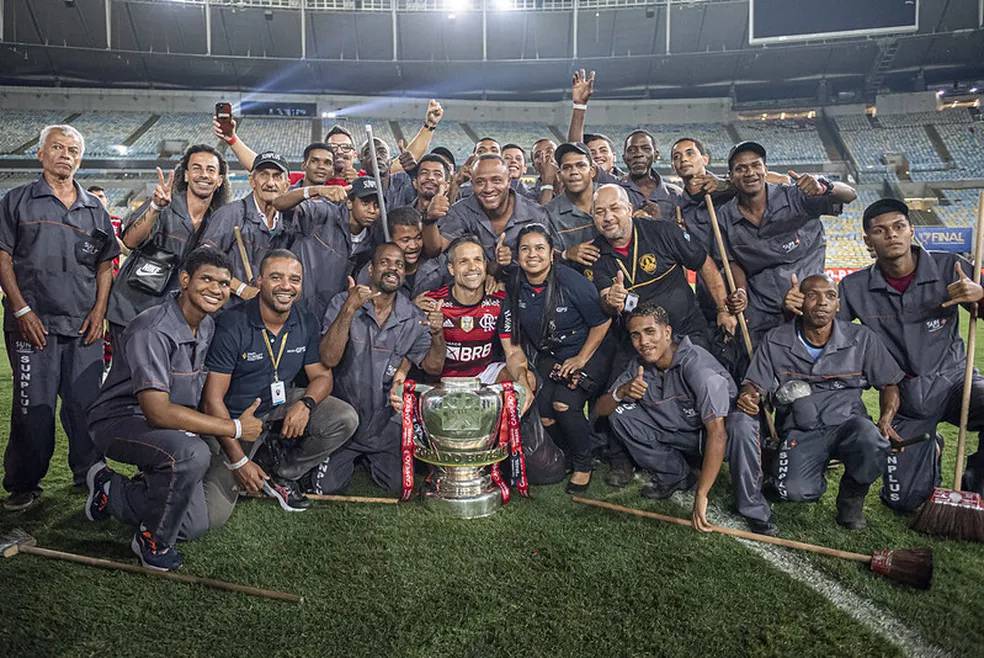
[431,274]
[665,197]
[238,349]
[571,224]
[832,420]
[666,427]
[924,339]
[363,379]
[258,238]
[173,232]
[468,217]
[159,352]
[324,245]
[789,240]
[56,252]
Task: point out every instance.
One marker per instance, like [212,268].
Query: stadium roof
[527,53]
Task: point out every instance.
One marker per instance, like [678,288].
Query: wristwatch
[309,402]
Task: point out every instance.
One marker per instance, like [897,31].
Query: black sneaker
[153,553]
[760,527]
[97,481]
[288,494]
[653,490]
[850,504]
[20,501]
[619,475]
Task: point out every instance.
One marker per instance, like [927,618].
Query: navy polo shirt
[238,349]
[577,310]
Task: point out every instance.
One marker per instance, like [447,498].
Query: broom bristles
[913,567]
[952,514]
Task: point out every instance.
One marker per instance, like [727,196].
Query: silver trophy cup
[461,420]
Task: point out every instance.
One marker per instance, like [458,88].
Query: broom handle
[169,575]
[730,278]
[236,231]
[352,499]
[743,534]
[971,347]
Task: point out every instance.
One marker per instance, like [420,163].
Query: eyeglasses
[341,148]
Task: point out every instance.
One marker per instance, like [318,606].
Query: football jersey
[470,331]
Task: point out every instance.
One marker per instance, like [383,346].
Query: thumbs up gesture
[808,184]
[963,290]
[793,301]
[358,294]
[617,293]
[435,318]
[635,388]
[439,204]
[503,254]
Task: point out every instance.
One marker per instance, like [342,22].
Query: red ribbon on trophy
[510,423]
[406,441]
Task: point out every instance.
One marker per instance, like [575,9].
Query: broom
[950,512]
[913,567]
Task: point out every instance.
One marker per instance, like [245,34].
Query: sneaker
[286,493]
[619,475]
[653,490]
[97,481]
[762,527]
[20,501]
[153,553]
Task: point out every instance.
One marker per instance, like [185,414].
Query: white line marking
[798,568]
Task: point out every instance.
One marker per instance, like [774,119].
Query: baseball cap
[571,147]
[270,158]
[363,187]
[880,207]
[444,153]
[741,147]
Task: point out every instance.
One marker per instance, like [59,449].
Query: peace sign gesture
[162,191]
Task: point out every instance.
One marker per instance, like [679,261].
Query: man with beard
[420,275]
[673,404]
[342,147]
[816,369]
[909,297]
[602,148]
[774,232]
[647,190]
[262,226]
[56,269]
[430,179]
[146,415]
[373,334]
[164,230]
[570,212]
[495,214]
[258,350]
[333,240]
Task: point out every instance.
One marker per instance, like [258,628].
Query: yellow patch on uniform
[589,275]
[648,263]
[467,323]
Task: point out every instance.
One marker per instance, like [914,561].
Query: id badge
[631,301]
[278,393]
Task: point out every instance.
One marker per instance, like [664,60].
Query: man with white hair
[56,268]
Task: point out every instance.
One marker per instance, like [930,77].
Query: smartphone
[223,114]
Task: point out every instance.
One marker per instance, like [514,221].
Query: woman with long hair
[559,319]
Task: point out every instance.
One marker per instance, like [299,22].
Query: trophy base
[473,507]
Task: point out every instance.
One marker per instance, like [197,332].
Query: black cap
[741,147]
[571,147]
[444,153]
[880,207]
[270,158]
[363,187]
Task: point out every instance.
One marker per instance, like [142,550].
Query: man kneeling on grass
[815,369]
[259,348]
[672,404]
[146,415]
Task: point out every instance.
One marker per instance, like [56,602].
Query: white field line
[798,568]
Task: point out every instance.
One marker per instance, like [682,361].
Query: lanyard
[635,258]
[268,343]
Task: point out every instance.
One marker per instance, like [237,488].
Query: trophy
[463,429]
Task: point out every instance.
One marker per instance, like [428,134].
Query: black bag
[152,269]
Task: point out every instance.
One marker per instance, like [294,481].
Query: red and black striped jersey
[470,331]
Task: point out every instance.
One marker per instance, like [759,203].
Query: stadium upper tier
[789,142]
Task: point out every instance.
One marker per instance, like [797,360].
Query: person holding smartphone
[559,317]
